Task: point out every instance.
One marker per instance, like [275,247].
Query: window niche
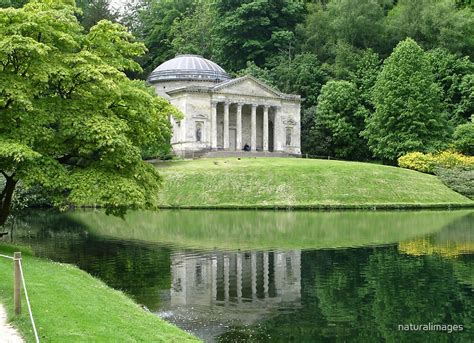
[288,134]
[198,131]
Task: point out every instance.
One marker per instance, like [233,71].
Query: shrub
[427,163]
[464,138]
[417,161]
[459,179]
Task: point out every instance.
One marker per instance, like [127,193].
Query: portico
[235,124]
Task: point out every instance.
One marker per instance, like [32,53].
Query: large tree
[408,113]
[70,120]
[341,116]
[254,30]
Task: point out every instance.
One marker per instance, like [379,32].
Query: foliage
[464,138]
[460,179]
[408,114]
[455,75]
[432,24]
[341,115]
[254,30]
[260,73]
[192,32]
[72,122]
[427,163]
[94,11]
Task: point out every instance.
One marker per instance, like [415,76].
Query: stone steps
[224,154]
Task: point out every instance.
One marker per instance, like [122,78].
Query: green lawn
[69,305]
[299,183]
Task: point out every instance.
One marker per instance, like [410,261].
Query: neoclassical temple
[221,113]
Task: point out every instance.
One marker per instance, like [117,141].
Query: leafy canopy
[70,120]
[408,113]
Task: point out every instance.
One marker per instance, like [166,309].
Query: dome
[188,67]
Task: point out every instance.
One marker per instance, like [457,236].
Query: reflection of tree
[361,295]
[140,271]
[456,238]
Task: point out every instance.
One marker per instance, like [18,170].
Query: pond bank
[70,305]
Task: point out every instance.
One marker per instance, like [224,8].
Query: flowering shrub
[427,163]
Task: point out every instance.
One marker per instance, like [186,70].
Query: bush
[459,179]
[427,163]
[464,138]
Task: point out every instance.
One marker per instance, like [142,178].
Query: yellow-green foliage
[427,163]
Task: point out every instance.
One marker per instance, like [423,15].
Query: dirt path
[8,334]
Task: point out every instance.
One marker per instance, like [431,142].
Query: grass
[69,305]
[299,183]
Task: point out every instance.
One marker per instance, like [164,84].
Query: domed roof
[188,67]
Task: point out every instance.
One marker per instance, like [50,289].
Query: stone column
[265,128]
[253,140]
[226,125]
[276,130]
[214,125]
[239,127]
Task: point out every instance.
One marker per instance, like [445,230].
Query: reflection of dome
[188,67]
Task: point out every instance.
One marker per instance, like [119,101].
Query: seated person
[246,147]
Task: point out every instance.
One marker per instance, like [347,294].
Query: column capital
[240,103]
[266,107]
[254,105]
[214,103]
[227,103]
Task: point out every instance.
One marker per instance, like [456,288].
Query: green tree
[94,11]
[301,75]
[340,114]
[432,24]
[12,3]
[151,21]
[193,32]
[464,138]
[253,30]
[71,121]
[455,75]
[408,113]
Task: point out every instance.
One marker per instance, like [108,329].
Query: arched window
[198,132]
[288,135]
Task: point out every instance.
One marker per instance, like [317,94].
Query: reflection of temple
[237,277]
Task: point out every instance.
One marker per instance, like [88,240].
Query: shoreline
[325,207]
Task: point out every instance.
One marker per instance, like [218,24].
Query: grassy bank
[69,305]
[300,184]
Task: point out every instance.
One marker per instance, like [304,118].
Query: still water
[232,276]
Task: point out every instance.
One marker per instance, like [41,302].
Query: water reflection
[360,293]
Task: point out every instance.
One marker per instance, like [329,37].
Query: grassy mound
[69,305]
[299,183]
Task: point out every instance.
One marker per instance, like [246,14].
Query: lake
[256,276]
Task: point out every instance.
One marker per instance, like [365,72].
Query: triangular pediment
[247,85]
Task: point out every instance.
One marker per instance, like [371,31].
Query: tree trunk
[6,198]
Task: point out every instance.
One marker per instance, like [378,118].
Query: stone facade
[222,114]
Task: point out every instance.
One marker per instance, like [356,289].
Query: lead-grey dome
[188,67]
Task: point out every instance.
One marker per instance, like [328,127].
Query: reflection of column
[265,128]
[214,125]
[239,127]
[214,279]
[253,262]
[254,128]
[226,125]
[226,278]
[265,274]
[238,263]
